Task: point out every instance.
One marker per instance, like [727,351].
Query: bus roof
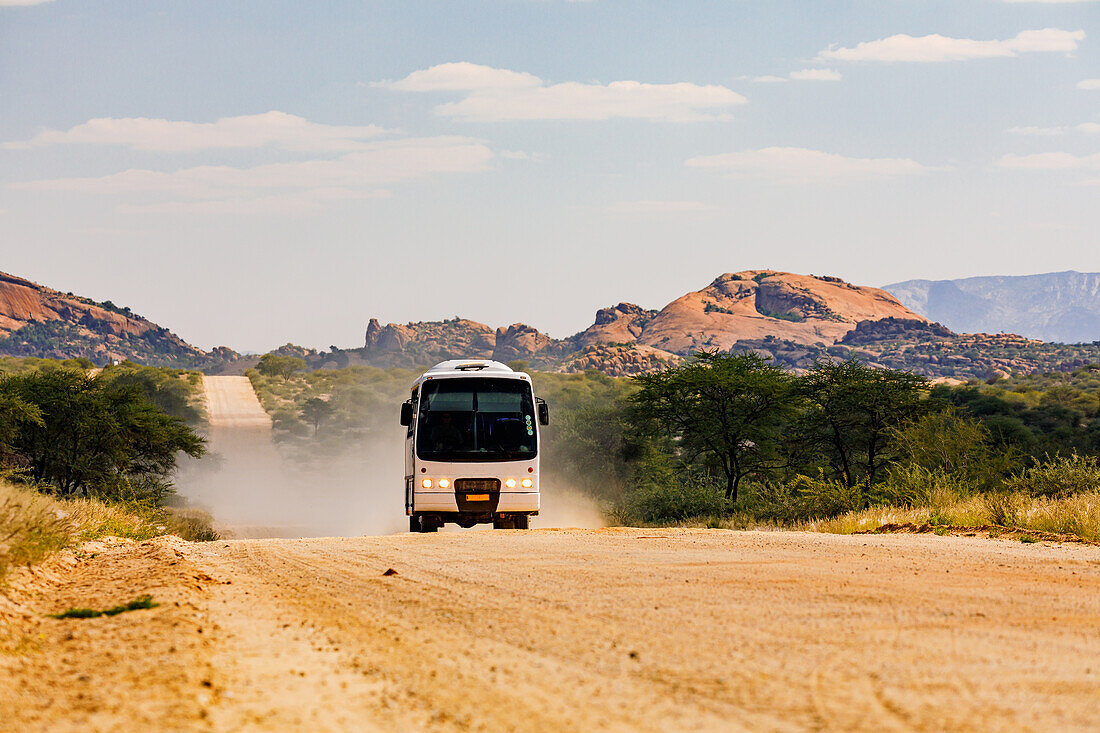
[457,368]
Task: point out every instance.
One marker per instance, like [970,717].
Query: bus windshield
[476,419]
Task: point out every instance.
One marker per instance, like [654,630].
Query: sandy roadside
[570,630]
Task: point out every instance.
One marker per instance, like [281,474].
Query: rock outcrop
[426,342]
[627,339]
[619,360]
[38,321]
[620,324]
[753,304]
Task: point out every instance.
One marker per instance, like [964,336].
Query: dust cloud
[253,490]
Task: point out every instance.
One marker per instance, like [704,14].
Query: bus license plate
[477,497]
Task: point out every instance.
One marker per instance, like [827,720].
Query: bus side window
[415,411]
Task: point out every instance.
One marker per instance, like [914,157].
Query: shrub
[911,485]
[949,444]
[1058,477]
[672,502]
[803,498]
[1004,508]
[773,501]
[820,498]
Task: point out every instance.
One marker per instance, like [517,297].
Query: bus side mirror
[544,413]
[406,413]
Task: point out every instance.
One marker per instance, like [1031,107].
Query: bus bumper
[507,502]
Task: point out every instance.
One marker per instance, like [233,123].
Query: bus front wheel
[420,523]
[515,521]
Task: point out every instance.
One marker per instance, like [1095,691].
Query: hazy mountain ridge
[1061,307]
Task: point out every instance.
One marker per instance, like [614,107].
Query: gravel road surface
[613,629]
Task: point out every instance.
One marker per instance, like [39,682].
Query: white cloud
[936,48]
[769,79]
[659,207]
[8,3]
[1089,84]
[270,129]
[1089,128]
[816,75]
[461,76]
[379,163]
[493,95]
[1050,161]
[800,165]
[1039,131]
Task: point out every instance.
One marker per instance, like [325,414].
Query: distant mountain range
[1061,307]
[793,319]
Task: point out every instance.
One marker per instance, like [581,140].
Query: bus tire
[521,521]
[504,523]
[422,524]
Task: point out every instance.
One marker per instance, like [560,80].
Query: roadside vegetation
[735,441]
[85,455]
[318,414]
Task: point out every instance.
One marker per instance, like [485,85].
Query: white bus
[472,446]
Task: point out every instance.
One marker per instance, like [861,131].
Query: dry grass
[1077,515]
[33,526]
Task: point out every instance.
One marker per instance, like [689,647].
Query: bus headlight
[526,483]
[510,483]
[426,483]
[444,483]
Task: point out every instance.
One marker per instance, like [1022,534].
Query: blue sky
[254,173]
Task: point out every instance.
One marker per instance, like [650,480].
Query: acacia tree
[15,415]
[854,412]
[729,408]
[315,411]
[277,365]
[92,432]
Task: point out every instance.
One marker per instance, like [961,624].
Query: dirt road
[231,403]
[567,630]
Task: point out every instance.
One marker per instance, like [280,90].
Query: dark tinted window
[476,419]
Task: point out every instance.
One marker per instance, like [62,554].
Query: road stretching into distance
[563,630]
[232,403]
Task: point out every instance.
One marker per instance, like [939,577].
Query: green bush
[773,501]
[1058,477]
[910,485]
[674,502]
[820,498]
[802,498]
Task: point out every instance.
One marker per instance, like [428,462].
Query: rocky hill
[628,339]
[1057,306]
[793,319]
[37,321]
